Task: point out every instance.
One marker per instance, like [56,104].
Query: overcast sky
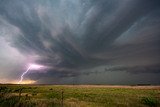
[80,41]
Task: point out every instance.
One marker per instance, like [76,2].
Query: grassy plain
[79,96]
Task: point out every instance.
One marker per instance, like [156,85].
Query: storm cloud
[74,38]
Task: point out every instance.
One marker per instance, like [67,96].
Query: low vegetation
[78,96]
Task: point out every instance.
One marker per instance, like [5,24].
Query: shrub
[149,101]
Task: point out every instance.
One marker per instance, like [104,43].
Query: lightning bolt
[24,74]
[31,67]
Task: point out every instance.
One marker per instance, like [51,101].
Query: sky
[80,41]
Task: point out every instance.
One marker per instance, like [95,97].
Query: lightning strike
[31,67]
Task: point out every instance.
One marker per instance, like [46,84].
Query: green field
[79,96]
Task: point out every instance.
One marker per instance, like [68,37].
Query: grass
[150,101]
[77,96]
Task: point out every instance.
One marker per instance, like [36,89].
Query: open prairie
[79,96]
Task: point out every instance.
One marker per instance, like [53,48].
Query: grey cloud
[136,69]
[74,35]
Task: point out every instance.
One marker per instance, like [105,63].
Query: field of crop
[79,96]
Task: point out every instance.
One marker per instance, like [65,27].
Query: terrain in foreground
[79,96]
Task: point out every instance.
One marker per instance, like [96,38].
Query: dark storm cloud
[73,35]
[136,69]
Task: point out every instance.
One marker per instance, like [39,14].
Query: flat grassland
[79,96]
